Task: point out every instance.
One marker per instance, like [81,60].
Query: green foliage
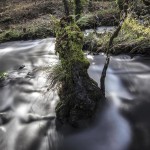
[133,38]
[132,25]
[56,75]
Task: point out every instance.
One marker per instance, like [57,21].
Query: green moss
[132,25]
[70,52]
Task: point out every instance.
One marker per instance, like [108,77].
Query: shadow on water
[27,106]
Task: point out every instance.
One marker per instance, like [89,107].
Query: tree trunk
[66,7]
[78,8]
[79,94]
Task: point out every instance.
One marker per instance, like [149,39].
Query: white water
[99,30]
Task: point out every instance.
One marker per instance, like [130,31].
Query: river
[27,104]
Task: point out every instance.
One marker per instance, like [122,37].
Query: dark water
[27,105]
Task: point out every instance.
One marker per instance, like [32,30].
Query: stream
[29,104]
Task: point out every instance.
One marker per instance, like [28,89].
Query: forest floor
[32,19]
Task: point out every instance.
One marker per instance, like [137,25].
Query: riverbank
[134,38]
[32,19]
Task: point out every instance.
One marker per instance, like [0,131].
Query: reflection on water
[25,98]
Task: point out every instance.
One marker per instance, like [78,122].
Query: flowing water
[99,30]
[27,105]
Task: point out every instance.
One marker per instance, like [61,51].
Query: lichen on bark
[79,94]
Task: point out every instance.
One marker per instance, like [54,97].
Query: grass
[55,74]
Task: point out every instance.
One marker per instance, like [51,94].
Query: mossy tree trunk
[78,8]
[66,7]
[79,94]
